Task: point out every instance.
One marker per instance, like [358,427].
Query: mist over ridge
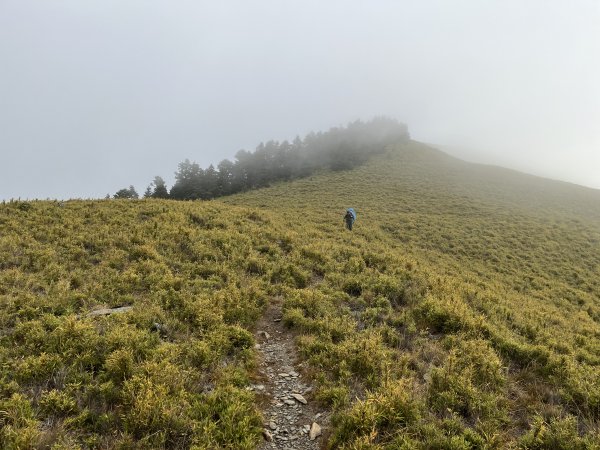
[98,95]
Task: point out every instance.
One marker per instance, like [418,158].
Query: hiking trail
[292,417]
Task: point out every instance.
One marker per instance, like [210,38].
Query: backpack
[352,212]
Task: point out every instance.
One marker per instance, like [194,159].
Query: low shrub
[383,414]
[57,403]
[558,434]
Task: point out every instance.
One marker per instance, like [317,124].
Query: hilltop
[463,311]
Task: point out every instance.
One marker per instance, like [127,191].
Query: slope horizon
[452,151]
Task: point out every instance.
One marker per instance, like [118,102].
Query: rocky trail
[292,418]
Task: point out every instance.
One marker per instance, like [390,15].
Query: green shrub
[334,395]
[454,392]
[119,365]
[444,315]
[18,426]
[57,403]
[154,409]
[36,368]
[290,275]
[226,419]
[199,354]
[559,434]
[238,339]
[385,412]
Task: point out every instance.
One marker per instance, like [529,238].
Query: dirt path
[290,423]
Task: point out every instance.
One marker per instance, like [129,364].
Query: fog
[96,95]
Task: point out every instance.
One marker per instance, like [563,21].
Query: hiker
[349,218]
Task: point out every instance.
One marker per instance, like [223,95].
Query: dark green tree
[225,178]
[210,183]
[126,193]
[159,188]
[187,181]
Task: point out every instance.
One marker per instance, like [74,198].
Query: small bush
[469,382]
[291,276]
[559,434]
[444,316]
[120,365]
[226,420]
[57,403]
[153,409]
[18,426]
[384,412]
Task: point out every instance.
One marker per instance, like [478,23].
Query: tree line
[340,148]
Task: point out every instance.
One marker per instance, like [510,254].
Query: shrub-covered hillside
[471,318]
[462,312]
[169,373]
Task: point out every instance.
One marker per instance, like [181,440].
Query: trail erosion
[292,418]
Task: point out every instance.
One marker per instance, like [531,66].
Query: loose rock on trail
[292,419]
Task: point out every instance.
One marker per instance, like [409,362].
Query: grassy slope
[462,312]
[508,266]
[71,381]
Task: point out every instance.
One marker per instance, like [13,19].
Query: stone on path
[267,435]
[264,334]
[300,398]
[315,431]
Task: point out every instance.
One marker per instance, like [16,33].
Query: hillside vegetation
[462,312]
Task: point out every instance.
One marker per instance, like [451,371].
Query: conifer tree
[160,188]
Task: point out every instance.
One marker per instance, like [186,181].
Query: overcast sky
[99,94]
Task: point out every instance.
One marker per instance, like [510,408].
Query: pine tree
[160,188]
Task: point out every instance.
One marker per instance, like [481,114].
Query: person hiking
[349,218]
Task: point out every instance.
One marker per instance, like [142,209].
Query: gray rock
[299,398]
[264,334]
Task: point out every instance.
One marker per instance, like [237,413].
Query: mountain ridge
[456,314]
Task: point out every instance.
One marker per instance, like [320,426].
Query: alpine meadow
[461,312]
